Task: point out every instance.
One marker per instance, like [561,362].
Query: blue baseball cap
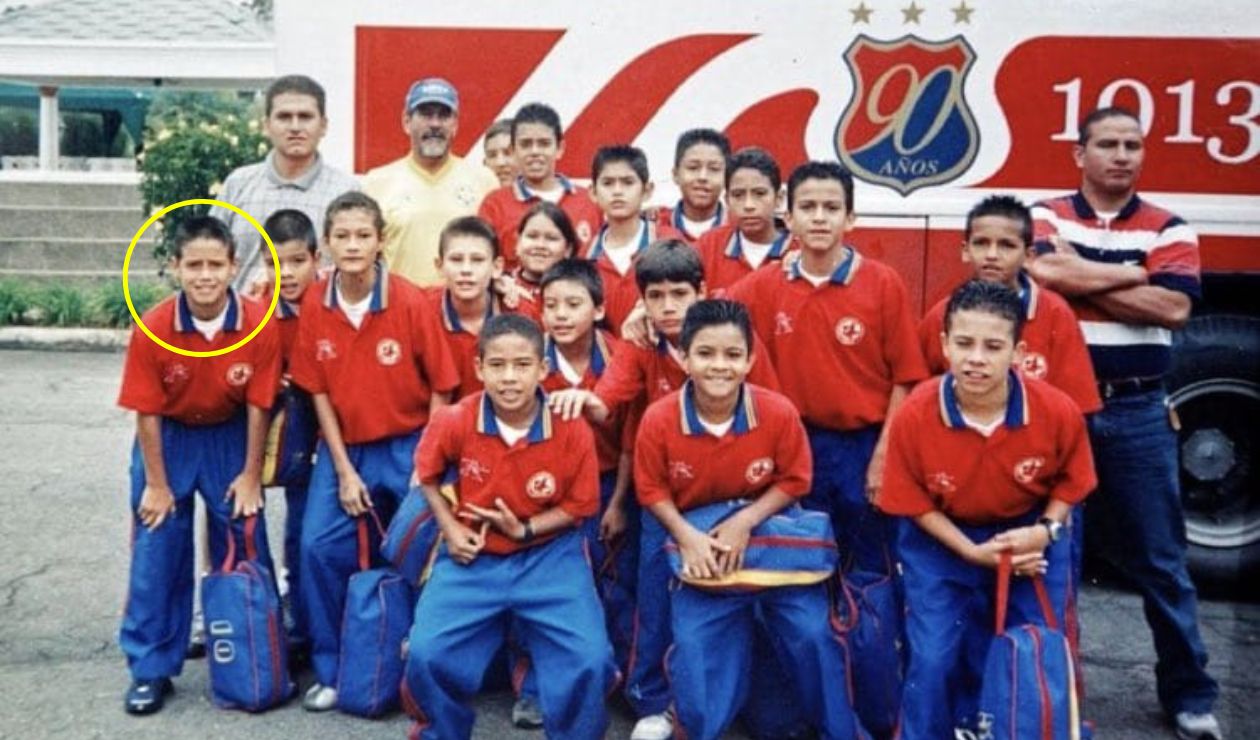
[432,90]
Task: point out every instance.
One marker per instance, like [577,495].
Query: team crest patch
[758,470]
[907,124]
[240,373]
[541,485]
[175,373]
[583,230]
[1034,365]
[850,330]
[941,483]
[388,352]
[1026,470]
[325,350]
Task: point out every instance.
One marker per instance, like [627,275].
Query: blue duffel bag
[874,638]
[410,542]
[290,445]
[247,648]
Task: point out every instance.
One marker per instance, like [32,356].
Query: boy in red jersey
[200,427]
[753,238]
[838,315]
[371,353]
[622,185]
[699,172]
[983,461]
[538,141]
[721,439]
[512,550]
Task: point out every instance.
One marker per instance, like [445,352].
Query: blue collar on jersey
[380,289]
[600,354]
[540,429]
[680,222]
[844,272]
[735,247]
[450,317]
[233,319]
[1016,403]
[522,192]
[745,412]
[597,247]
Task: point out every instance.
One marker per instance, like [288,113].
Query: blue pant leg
[773,709]
[710,660]
[616,567]
[841,459]
[295,510]
[222,458]
[798,618]
[561,622]
[461,622]
[647,689]
[1138,506]
[157,616]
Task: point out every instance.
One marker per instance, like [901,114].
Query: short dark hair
[353,200]
[755,158]
[504,324]
[1006,206]
[290,225]
[715,312]
[501,127]
[1099,114]
[556,215]
[630,155]
[993,298]
[202,227]
[669,260]
[580,271]
[299,84]
[822,171]
[538,113]
[468,226]
[695,136]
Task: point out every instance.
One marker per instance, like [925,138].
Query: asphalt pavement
[64,450]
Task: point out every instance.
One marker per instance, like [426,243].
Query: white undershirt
[697,228]
[755,252]
[510,434]
[552,196]
[567,370]
[986,430]
[718,430]
[623,255]
[815,280]
[1106,216]
[210,327]
[354,311]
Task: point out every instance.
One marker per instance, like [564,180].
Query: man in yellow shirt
[421,192]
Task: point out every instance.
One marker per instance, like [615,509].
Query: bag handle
[251,550]
[1004,595]
[365,538]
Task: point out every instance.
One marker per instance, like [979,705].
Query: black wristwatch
[1053,528]
[527,534]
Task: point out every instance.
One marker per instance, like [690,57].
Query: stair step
[55,254]
[69,194]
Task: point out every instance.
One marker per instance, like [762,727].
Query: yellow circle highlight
[275,294]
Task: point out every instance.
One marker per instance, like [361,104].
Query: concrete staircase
[71,231]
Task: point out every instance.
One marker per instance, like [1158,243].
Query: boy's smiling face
[511,370]
[699,175]
[569,314]
[468,266]
[718,360]
[537,150]
[820,214]
[297,268]
[205,270]
[541,244]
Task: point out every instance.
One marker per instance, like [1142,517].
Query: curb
[60,339]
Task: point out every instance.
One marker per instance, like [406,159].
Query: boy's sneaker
[147,697]
[654,727]
[319,698]
[1192,726]
[526,715]
[197,638]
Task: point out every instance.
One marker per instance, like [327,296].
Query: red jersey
[672,218]
[505,207]
[529,297]
[725,263]
[608,434]
[463,343]
[380,376]
[286,317]
[937,462]
[201,390]
[1055,352]
[553,465]
[839,348]
[677,459]
[621,291]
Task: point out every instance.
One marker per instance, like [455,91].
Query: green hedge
[59,304]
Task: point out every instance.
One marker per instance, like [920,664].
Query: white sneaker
[1191,726]
[653,727]
[319,698]
[526,714]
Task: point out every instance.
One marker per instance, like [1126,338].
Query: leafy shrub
[15,301]
[111,306]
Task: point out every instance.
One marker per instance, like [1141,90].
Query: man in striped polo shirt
[1131,271]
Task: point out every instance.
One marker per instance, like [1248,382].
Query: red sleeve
[431,347]
[489,209]
[582,500]
[141,389]
[1076,461]
[762,372]
[438,446]
[930,328]
[901,343]
[625,379]
[651,466]
[902,492]
[261,392]
[305,371]
[793,459]
[1173,261]
[1071,369]
[1044,227]
[745,291]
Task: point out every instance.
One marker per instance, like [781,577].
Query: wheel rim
[1217,446]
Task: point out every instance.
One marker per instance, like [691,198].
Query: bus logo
[908,125]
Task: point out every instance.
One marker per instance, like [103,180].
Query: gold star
[962,14]
[912,13]
[861,14]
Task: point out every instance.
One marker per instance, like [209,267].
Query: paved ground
[63,560]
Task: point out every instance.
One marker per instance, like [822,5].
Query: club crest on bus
[908,125]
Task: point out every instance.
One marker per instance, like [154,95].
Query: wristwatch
[527,534]
[1053,528]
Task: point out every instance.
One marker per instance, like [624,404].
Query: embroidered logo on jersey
[583,230]
[325,350]
[541,485]
[849,331]
[907,124]
[175,373]
[782,324]
[240,373]
[465,195]
[941,483]
[388,352]
[681,471]
[758,470]
[1026,470]
[1034,365]
[473,469]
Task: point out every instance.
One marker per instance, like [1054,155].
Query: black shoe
[196,638]
[147,697]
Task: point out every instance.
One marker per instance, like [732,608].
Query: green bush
[15,301]
[111,306]
[192,141]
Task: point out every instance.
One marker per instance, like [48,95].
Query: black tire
[1214,387]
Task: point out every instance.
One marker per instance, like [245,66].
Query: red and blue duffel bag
[290,445]
[411,541]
